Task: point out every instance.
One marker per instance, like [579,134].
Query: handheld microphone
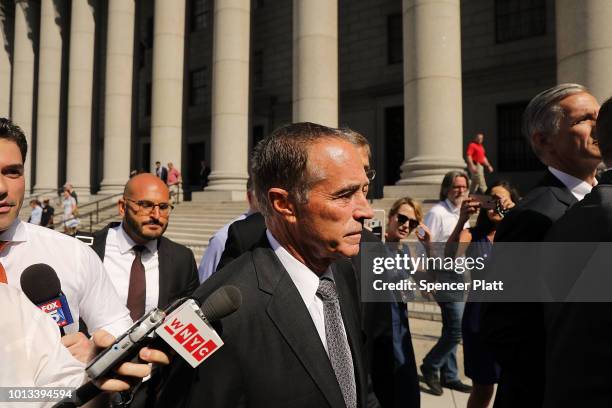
[183,325]
[42,286]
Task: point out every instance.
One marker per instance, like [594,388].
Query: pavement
[425,333]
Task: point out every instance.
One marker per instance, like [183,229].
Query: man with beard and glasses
[147,269]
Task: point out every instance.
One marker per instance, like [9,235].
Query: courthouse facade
[102,87]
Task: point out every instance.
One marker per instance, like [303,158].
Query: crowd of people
[303,337]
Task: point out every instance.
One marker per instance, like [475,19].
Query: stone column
[433,135]
[23,79]
[118,97]
[167,85]
[584,44]
[315,61]
[49,81]
[80,93]
[5,67]
[230,97]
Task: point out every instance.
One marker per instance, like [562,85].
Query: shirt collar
[126,243]
[579,188]
[451,207]
[17,232]
[306,281]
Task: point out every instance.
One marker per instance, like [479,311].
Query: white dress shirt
[118,258]
[442,219]
[216,246]
[307,283]
[84,281]
[31,352]
[579,188]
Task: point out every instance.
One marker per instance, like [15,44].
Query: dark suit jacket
[515,331]
[178,273]
[242,235]
[578,352]
[164,174]
[273,356]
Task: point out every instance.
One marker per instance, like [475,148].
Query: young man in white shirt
[89,292]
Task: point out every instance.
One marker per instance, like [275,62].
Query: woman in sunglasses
[405,216]
[475,242]
[401,381]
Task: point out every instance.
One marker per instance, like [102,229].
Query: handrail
[98,208]
[94,212]
[96,202]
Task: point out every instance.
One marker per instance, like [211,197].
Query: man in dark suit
[578,353]
[393,383]
[559,124]
[147,269]
[161,172]
[296,340]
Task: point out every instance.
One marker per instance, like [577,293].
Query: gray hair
[281,160]
[447,182]
[357,139]
[544,114]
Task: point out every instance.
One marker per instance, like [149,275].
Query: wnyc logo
[189,335]
[54,309]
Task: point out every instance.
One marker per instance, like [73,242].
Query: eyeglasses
[412,222]
[146,207]
[371,174]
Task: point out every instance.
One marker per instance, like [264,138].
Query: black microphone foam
[224,301]
[40,283]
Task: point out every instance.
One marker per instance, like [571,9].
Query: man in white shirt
[559,125]
[37,211]
[440,364]
[311,188]
[89,292]
[32,354]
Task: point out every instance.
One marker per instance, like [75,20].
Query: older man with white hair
[559,124]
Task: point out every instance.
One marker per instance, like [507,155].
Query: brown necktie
[3,278]
[138,285]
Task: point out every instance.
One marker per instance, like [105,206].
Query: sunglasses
[412,222]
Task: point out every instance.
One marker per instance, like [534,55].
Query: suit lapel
[559,190]
[164,258]
[289,314]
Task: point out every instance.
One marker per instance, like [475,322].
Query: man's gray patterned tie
[337,344]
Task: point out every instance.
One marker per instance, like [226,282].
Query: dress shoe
[432,381]
[457,385]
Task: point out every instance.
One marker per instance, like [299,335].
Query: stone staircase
[192,223]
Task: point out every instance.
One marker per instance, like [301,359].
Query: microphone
[188,331]
[42,286]
[183,325]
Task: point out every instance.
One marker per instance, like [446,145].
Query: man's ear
[541,142]
[281,203]
[121,207]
